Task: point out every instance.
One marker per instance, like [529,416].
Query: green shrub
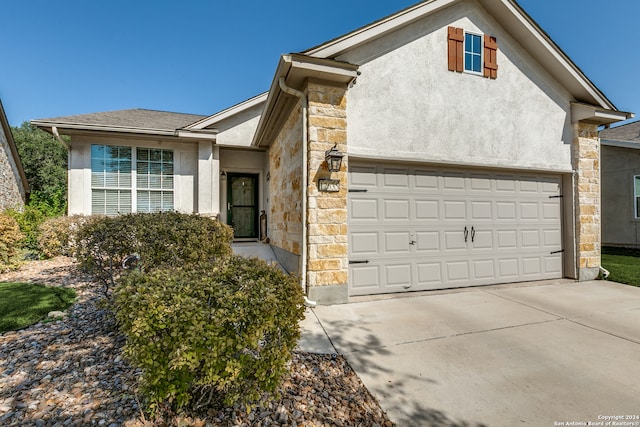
[159,239]
[10,242]
[221,331]
[57,236]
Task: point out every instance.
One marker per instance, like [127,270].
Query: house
[620,165]
[13,182]
[469,144]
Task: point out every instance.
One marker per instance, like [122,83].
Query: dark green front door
[242,197]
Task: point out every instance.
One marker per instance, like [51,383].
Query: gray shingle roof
[134,118]
[628,132]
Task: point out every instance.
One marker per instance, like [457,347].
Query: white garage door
[418,228]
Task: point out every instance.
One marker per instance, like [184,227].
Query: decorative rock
[72,373]
[56,314]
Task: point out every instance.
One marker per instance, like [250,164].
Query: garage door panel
[484,269]
[483,239]
[454,241]
[363,176]
[397,243]
[365,278]
[364,243]
[427,210]
[363,209]
[396,210]
[506,211]
[455,210]
[395,178]
[508,268]
[454,181]
[480,183]
[553,264]
[426,179]
[551,211]
[530,239]
[457,271]
[409,228]
[427,241]
[481,211]
[398,275]
[531,266]
[529,211]
[429,274]
[507,239]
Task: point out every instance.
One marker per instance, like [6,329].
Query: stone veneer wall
[586,157]
[285,185]
[327,261]
[12,192]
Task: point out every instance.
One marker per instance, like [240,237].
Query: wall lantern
[329,185]
[334,159]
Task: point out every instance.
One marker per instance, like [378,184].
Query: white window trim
[464,53]
[636,179]
[133,188]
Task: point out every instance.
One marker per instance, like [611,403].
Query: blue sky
[69,57]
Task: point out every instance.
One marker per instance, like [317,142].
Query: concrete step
[256,250]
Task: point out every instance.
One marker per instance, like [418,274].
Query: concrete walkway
[495,356]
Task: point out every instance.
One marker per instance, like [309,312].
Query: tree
[44,161]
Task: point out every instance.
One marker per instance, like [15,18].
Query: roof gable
[514,20]
[6,129]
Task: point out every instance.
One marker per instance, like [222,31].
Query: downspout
[54,131]
[305,106]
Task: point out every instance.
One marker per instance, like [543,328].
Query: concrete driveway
[539,355]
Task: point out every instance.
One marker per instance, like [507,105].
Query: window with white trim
[125,180]
[472,52]
[636,195]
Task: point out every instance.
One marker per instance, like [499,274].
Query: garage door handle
[466,233]
[473,234]
[365,261]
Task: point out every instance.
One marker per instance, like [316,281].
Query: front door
[242,198]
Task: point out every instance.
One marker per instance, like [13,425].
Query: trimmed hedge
[157,239]
[221,331]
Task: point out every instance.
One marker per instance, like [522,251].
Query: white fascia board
[600,116]
[377,29]
[101,128]
[229,112]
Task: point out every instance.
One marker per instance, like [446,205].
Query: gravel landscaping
[70,372]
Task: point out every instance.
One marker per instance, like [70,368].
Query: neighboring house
[620,166]
[13,182]
[470,145]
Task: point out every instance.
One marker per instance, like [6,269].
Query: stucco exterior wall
[619,225]
[407,105]
[239,129]
[12,191]
[285,185]
[185,170]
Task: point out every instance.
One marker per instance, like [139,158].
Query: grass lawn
[623,264]
[23,304]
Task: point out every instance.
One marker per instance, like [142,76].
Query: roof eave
[585,113]
[296,69]
[46,125]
